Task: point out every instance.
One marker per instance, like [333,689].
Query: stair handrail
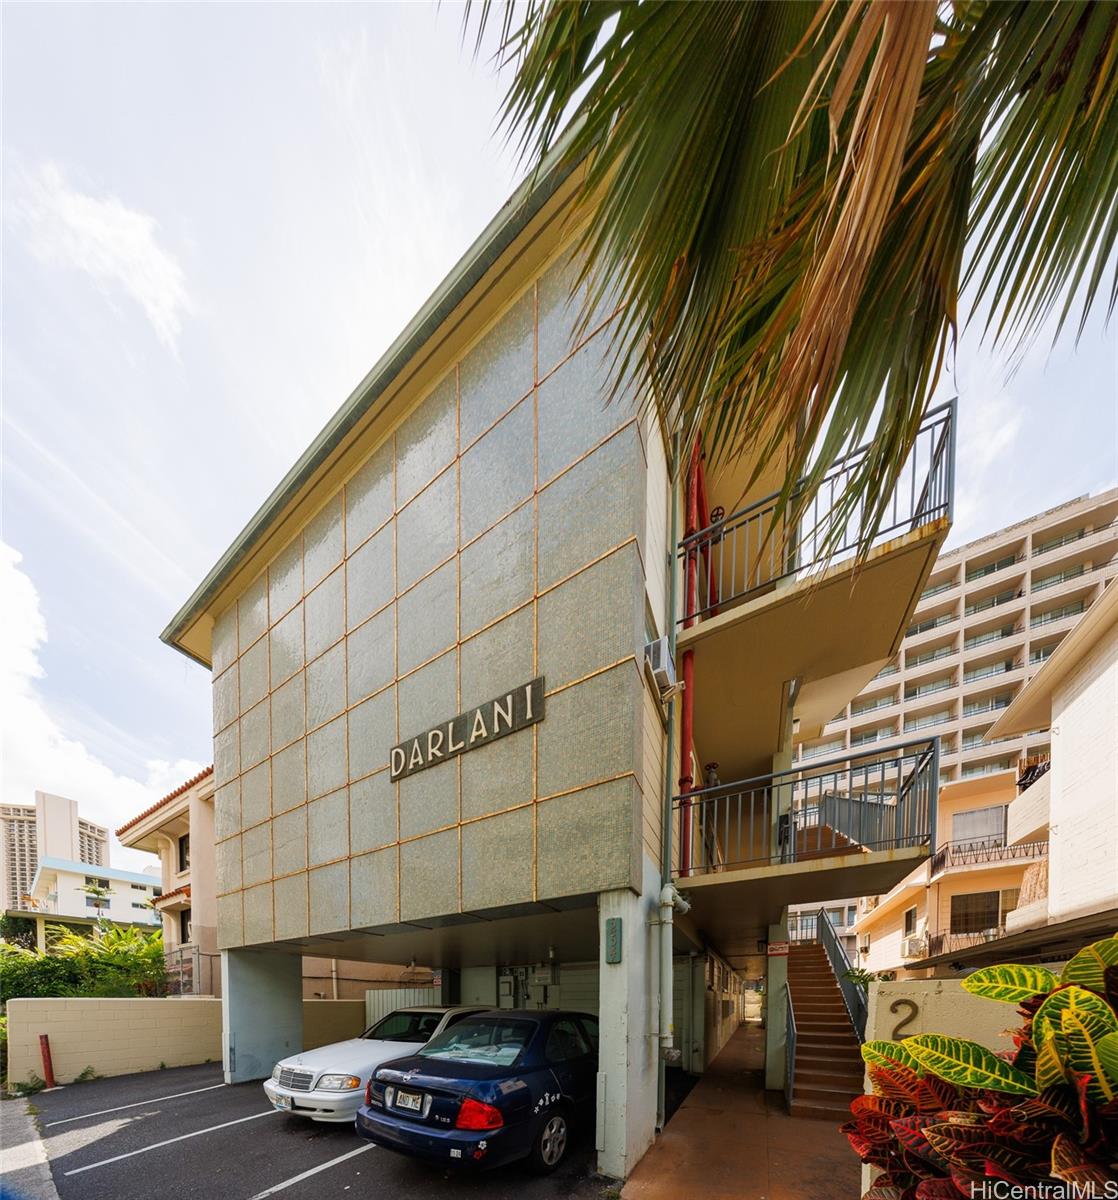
[852,995]
[789,1047]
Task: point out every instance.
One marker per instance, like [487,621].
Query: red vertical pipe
[48,1066]
[691,603]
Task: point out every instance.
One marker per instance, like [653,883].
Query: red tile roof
[179,891]
[166,799]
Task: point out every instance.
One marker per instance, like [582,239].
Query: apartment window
[1052,580]
[975,912]
[996,668]
[94,902]
[1061,540]
[918,660]
[90,881]
[925,625]
[990,568]
[851,914]
[184,925]
[1057,614]
[991,602]
[137,905]
[910,921]
[157,891]
[991,635]
[834,915]
[184,852]
[1010,897]
[980,825]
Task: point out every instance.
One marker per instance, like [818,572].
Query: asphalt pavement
[182,1132]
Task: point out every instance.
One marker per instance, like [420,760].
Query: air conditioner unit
[913,947]
[864,949]
[659,658]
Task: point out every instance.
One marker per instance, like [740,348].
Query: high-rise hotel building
[991,614]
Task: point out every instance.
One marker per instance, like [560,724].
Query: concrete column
[776,1017]
[628,1055]
[261,1011]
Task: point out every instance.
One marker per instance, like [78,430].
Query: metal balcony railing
[929,656]
[190,971]
[852,994]
[983,850]
[991,635]
[789,1047]
[747,552]
[803,927]
[881,799]
[945,943]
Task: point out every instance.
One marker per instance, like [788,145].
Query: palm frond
[781,198]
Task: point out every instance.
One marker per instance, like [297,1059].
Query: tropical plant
[17,931]
[787,201]
[864,978]
[947,1114]
[111,962]
[100,895]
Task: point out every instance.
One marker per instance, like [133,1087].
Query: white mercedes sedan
[328,1084]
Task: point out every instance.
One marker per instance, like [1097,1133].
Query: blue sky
[215,219]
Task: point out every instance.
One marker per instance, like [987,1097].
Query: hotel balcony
[983,852]
[1027,815]
[850,826]
[777,621]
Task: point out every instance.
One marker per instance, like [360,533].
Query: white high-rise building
[49,828]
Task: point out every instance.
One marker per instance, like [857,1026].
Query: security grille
[297,1081]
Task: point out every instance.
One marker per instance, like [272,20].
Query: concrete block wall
[121,1037]
[499,533]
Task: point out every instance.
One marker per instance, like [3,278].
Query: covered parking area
[186,1132]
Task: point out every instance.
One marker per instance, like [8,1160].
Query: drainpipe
[670,900]
[666,813]
[334,977]
[691,601]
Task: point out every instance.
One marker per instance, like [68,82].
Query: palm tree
[788,199]
[100,896]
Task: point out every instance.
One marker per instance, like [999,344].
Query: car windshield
[493,1041]
[405,1027]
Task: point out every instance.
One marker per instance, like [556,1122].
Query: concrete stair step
[832,1043]
[820,1112]
[849,1079]
[825,1094]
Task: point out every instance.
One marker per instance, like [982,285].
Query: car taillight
[475,1115]
[369,1091]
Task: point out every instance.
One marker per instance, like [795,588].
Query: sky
[215,219]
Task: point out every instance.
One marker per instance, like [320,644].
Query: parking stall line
[169,1142]
[101,1112]
[279,1187]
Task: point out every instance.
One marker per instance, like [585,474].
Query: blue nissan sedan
[496,1087]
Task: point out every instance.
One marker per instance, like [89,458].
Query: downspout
[666,1003]
[670,900]
[334,977]
[691,594]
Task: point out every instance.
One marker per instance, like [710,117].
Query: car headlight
[339,1083]
[276,1071]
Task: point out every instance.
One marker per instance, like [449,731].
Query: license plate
[412,1101]
[283,1103]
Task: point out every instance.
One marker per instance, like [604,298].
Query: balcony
[1027,816]
[947,943]
[191,972]
[998,600]
[990,635]
[982,852]
[846,827]
[765,606]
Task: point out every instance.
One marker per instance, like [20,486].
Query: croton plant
[947,1116]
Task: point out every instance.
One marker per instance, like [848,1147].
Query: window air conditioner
[865,949]
[659,658]
[913,947]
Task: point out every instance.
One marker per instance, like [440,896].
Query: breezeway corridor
[730,1140]
[183,1132]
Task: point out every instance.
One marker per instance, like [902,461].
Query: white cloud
[37,751]
[117,246]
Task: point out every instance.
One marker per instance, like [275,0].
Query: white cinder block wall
[1083,848]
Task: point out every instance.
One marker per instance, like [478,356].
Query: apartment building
[967,892]
[803,922]
[62,888]
[992,613]
[52,827]
[444,658]
[179,829]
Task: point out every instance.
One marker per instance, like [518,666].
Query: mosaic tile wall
[494,537]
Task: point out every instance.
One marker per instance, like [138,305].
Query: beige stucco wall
[1083,814]
[942,1006]
[120,1037]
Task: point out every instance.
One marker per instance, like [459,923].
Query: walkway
[730,1140]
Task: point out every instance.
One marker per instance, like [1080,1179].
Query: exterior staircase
[828,1070]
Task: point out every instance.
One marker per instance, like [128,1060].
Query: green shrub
[110,962]
[947,1115]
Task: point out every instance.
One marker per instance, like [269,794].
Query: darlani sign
[514,710]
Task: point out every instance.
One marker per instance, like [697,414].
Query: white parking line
[170,1141]
[101,1112]
[279,1187]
